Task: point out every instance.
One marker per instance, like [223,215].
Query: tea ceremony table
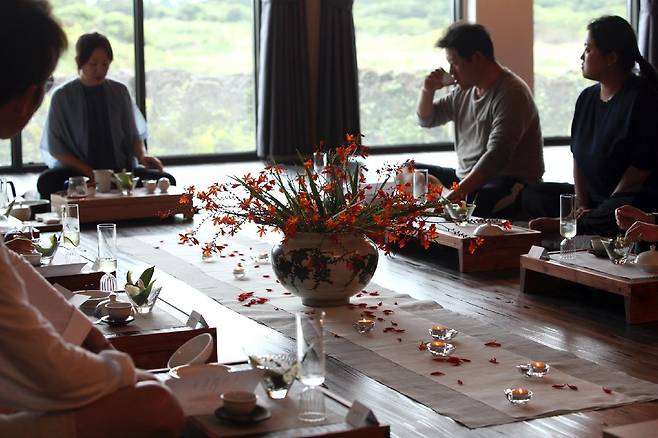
[74,273]
[640,291]
[284,421]
[114,206]
[494,253]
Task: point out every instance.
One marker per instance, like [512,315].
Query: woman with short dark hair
[94,124]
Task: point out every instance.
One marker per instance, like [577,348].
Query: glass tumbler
[107,255]
[420,182]
[311,359]
[567,226]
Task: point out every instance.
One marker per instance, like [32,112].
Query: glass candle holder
[440,348]
[518,396]
[534,369]
[364,325]
[239,272]
[262,258]
[442,333]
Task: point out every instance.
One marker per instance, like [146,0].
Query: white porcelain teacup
[119,310]
[239,402]
[163,184]
[103,178]
[150,185]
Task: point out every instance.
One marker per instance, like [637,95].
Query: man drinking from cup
[497,133]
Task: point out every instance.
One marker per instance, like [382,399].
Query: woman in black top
[614,133]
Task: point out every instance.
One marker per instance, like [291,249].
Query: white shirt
[39,369]
[67,320]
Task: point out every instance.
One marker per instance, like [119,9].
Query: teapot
[648,260]
[4,195]
[77,187]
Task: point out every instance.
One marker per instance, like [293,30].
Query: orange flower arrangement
[336,201]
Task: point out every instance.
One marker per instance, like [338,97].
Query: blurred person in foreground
[49,384]
[93,124]
[498,137]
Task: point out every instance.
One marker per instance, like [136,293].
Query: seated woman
[613,135]
[93,124]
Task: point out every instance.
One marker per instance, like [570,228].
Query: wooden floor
[591,325]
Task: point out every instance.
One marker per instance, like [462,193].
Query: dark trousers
[52,180]
[543,200]
[485,198]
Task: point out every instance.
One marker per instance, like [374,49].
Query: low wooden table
[114,206]
[284,413]
[640,295]
[152,348]
[72,276]
[496,252]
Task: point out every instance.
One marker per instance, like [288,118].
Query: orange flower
[336,201]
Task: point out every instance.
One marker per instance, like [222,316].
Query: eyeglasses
[49,83]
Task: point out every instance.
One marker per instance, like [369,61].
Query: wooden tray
[114,206]
[640,295]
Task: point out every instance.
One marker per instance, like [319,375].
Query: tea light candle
[263,258]
[442,332]
[364,325]
[440,348]
[538,365]
[239,272]
[518,396]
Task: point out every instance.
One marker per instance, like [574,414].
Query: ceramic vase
[325,269]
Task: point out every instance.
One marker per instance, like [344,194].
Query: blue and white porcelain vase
[325,269]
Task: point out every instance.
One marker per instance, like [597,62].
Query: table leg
[641,306]
[533,282]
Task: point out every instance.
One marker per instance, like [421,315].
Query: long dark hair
[614,34]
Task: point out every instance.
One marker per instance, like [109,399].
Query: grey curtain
[648,30]
[338,79]
[283,81]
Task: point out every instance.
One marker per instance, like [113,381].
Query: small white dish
[197,369]
[195,351]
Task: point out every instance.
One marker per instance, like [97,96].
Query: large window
[5,152]
[199,76]
[114,19]
[395,48]
[560,28]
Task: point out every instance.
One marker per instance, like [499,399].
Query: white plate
[197,369]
